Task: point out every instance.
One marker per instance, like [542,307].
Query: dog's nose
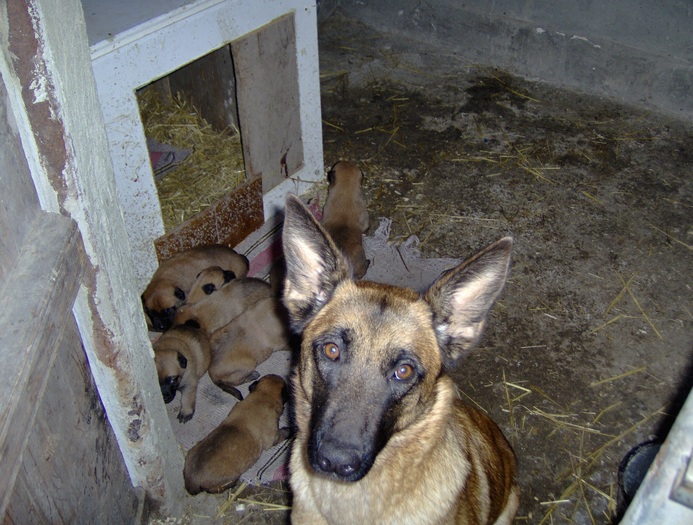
[333,458]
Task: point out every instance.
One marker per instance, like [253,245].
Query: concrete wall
[635,51]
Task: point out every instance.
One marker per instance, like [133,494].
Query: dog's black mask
[169,387]
[349,428]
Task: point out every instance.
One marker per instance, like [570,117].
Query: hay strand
[211,171]
[620,376]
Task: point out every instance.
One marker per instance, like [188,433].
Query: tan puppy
[216,462]
[182,355]
[382,436]
[345,216]
[215,310]
[247,341]
[207,282]
[171,282]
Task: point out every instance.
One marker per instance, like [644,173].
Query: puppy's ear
[192,323]
[228,276]
[462,297]
[180,294]
[314,264]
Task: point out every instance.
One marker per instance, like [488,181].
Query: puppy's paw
[184,417]
[283,434]
[252,376]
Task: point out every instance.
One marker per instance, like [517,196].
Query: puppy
[207,282]
[247,341]
[171,282]
[216,462]
[182,355]
[382,436]
[214,311]
[345,216]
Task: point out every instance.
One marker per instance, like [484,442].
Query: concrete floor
[589,348]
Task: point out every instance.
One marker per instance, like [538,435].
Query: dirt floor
[589,349]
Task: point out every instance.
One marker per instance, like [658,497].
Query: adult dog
[382,436]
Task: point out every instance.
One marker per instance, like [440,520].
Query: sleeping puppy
[217,309]
[182,355]
[171,282]
[216,462]
[345,216]
[248,340]
[208,281]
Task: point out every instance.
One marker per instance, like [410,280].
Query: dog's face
[372,354]
[161,303]
[209,281]
[369,364]
[170,368]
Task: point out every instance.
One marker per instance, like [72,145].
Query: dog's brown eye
[331,351]
[404,372]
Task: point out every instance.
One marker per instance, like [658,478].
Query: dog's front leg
[187,405]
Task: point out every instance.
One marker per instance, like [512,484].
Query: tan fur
[208,281]
[193,344]
[179,273]
[216,462]
[212,313]
[248,340]
[345,216]
[218,309]
[376,443]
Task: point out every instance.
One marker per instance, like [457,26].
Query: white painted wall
[108,310]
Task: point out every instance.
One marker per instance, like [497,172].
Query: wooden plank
[228,221]
[72,458]
[20,203]
[35,305]
[269,102]
[209,85]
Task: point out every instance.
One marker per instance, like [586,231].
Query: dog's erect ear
[462,297]
[314,265]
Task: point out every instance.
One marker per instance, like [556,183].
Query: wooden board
[228,221]
[208,84]
[268,101]
[72,470]
[35,306]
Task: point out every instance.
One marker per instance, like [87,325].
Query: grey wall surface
[635,51]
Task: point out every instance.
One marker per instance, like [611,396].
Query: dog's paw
[283,434]
[184,418]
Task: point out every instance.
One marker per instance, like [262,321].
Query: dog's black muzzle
[169,387]
[341,460]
